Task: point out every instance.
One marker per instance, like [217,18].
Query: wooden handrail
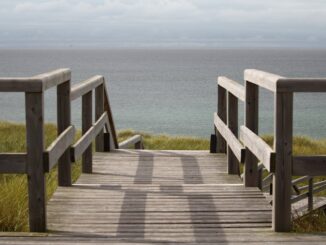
[86,86]
[107,108]
[263,79]
[83,143]
[233,142]
[279,159]
[258,147]
[36,161]
[233,87]
[36,83]
[58,147]
[135,141]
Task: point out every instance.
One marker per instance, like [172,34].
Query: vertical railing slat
[64,121]
[221,112]
[87,115]
[283,166]
[99,109]
[35,170]
[232,122]
[251,122]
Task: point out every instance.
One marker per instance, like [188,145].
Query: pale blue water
[170,91]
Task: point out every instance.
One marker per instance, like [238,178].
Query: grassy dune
[13,191]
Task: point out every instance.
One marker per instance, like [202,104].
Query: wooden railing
[37,160]
[251,149]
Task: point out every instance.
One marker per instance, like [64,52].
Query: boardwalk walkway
[145,197]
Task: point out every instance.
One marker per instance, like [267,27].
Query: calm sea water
[170,91]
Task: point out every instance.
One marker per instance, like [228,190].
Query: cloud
[159,21]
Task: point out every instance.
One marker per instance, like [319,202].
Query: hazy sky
[220,23]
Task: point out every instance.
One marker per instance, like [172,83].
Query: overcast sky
[137,23]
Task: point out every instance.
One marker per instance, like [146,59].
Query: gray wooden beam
[34,106]
[283,165]
[251,122]
[64,121]
[87,115]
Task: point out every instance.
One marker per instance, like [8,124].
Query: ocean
[170,91]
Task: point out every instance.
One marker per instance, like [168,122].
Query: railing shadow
[137,200]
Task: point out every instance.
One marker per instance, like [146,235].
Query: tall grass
[13,188]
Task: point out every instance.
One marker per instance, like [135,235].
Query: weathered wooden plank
[232,141]
[301,85]
[99,109]
[20,84]
[263,79]
[86,86]
[13,163]
[54,78]
[34,107]
[251,122]
[87,122]
[258,147]
[222,113]
[58,147]
[309,165]
[83,143]
[232,122]
[131,142]
[232,87]
[108,110]
[64,121]
[283,165]
[37,83]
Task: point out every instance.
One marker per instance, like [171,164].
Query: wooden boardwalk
[147,197]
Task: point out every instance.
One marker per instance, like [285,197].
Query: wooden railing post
[251,122]
[34,103]
[221,112]
[64,121]
[232,122]
[283,164]
[87,115]
[99,109]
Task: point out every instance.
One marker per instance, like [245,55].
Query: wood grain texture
[232,122]
[222,113]
[113,134]
[11,163]
[36,83]
[157,194]
[86,86]
[233,143]
[34,107]
[251,122]
[161,197]
[87,123]
[64,121]
[131,142]
[58,147]
[54,78]
[263,79]
[309,165]
[232,87]
[99,109]
[258,147]
[283,163]
[86,139]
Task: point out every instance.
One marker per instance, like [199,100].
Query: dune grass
[13,191]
